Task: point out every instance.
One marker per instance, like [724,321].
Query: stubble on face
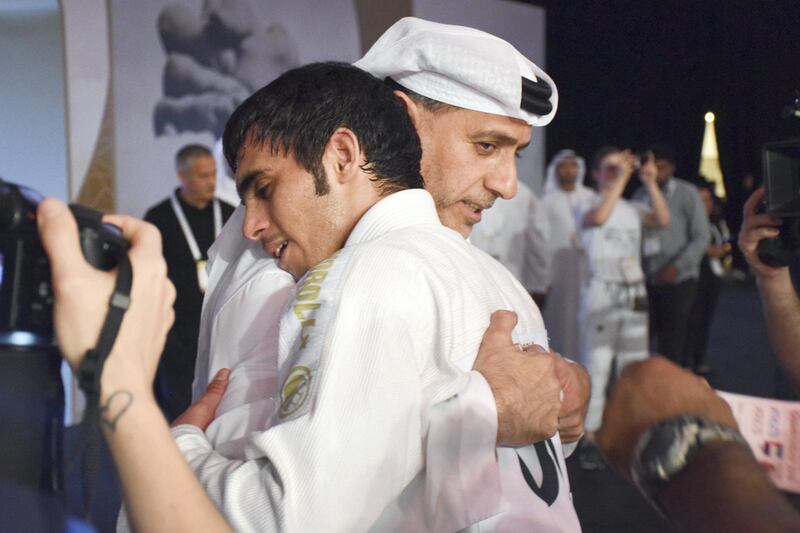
[665,170]
[285,213]
[567,173]
[468,161]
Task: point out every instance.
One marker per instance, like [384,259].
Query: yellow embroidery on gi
[295,390]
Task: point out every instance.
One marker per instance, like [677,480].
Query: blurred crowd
[625,259]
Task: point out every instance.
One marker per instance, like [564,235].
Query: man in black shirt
[189,221]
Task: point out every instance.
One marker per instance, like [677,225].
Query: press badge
[202,275]
[651,246]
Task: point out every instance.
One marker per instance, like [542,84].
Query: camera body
[31,394]
[781,166]
[26,296]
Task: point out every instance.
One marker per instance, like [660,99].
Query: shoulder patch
[304,328]
[294,392]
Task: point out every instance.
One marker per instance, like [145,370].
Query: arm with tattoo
[161,493]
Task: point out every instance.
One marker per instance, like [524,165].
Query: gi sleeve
[362,440]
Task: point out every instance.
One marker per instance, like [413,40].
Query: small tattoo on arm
[114,408]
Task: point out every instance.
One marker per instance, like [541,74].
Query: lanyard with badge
[200,263]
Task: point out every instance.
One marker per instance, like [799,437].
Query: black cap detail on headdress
[536,97]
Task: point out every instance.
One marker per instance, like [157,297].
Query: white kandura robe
[567,257]
[515,233]
[402,312]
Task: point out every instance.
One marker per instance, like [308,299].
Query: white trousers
[613,333]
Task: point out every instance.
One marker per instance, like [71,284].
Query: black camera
[781,166]
[26,299]
[31,394]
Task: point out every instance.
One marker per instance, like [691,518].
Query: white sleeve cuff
[191,440]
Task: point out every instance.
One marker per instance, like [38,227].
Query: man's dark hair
[189,151]
[299,111]
[428,104]
[600,154]
[663,152]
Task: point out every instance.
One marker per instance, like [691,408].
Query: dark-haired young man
[390,314]
[189,221]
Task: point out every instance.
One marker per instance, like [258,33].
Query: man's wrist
[670,447]
[777,279]
[710,459]
[117,376]
[123,411]
[500,408]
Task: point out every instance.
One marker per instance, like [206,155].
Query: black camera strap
[89,373]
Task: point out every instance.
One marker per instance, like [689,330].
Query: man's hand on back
[202,412]
[525,384]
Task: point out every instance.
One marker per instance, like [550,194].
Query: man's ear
[343,154]
[412,107]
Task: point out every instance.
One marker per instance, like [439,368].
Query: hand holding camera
[82,295]
[159,488]
[755,228]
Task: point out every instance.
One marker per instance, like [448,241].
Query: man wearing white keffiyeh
[564,196]
[460,214]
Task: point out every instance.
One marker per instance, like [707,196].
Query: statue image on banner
[215,59]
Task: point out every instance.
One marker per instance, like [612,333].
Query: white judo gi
[239,330]
[515,233]
[567,258]
[613,312]
[373,361]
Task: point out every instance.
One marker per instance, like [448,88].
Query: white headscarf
[568,262]
[551,181]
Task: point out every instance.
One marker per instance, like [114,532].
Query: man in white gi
[613,311]
[514,232]
[565,195]
[247,290]
[494,150]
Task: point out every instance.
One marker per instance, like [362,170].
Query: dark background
[632,73]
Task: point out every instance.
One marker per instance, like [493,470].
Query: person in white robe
[378,373]
[225,260]
[565,195]
[236,265]
[613,311]
[515,233]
